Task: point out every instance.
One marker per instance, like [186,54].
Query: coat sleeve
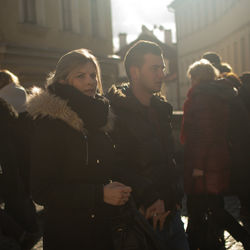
[49,185]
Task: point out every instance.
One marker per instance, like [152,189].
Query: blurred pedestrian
[244,94]
[207,158]
[215,60]
[11,90]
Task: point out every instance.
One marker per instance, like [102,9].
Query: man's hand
[116,193]
[157,207]
[160,219]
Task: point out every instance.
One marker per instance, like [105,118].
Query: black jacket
[13,191]
[10,176]
[146,146]
[71,159]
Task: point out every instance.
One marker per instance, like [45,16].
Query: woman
[207,158]
[72,156]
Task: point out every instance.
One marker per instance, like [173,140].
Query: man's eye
[93,75]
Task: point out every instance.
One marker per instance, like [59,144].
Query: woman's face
[84,78]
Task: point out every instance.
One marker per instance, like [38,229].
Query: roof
[168,51]
[173,4]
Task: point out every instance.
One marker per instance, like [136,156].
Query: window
[248,50]
[228,53]
[94,18]
[243,55]
[32,12]
[66,15]
[29,11]
[214,10]
[236,57]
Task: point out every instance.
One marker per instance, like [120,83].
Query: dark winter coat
[244,94]
[143,138]
[71,159]
[9,178]
[13,191]
[212,124]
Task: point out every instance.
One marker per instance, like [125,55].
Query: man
[143,137]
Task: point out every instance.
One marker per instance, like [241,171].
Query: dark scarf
[92,111]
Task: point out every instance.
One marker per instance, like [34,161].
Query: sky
[129,15]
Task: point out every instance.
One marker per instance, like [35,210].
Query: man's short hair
[212,57]
[135,55]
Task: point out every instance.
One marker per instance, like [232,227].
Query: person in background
[233,80]
[207,159]
[245,90]
[11,90]
[244,94]
[215,60]
[73,158]
[18,216]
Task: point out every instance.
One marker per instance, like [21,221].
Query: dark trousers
[207,221]
[23,211]
[245,211]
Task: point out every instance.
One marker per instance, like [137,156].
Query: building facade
[35,33]
[222,26]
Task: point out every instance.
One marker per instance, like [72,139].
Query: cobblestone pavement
[232,205]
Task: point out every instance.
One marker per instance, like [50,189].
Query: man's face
[151,74]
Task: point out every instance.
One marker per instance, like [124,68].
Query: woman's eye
[93,75]
[81,76]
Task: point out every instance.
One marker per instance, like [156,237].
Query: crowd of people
[104,165]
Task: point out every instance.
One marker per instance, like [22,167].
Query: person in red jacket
[207,158]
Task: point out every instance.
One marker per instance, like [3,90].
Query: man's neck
[143,96]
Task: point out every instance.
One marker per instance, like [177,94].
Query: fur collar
[44,104]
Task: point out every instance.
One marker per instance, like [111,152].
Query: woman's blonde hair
[202,70]
[6,77]
[72,60]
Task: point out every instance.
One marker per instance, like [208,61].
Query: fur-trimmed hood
[44,103]
[121,97]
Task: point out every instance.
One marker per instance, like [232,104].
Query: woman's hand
[116,193]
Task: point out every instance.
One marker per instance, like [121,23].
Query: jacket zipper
[87,150]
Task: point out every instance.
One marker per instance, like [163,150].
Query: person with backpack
[207,159]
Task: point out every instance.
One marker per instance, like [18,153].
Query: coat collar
[45,104]
[121,97]
[221,88]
